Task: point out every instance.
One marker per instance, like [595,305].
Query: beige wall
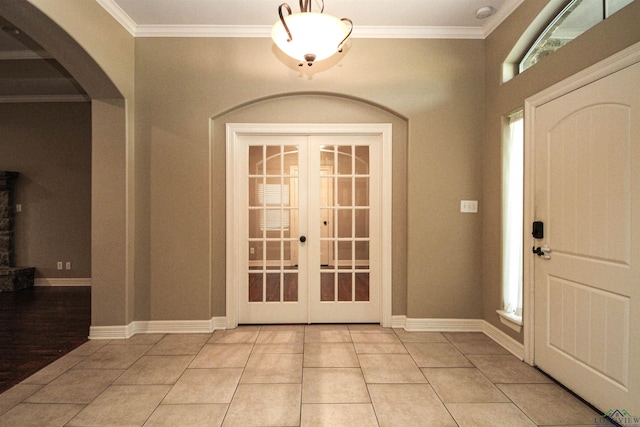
[50,146]
[612,35]
[435,84]
[157,165]
[99,53]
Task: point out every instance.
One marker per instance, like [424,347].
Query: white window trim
[510,320]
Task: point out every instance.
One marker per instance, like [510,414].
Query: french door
[308,226]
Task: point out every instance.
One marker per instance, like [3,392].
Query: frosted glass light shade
[312,34]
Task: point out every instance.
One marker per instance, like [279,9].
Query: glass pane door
[273,291]
[273,212]
[343,284]
[344,189]
[306,223]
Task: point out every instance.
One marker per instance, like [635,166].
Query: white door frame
[234,250]
[606,67]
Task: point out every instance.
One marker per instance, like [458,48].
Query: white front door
[587,194]
[308,228]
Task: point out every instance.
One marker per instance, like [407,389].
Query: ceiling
[372,18]
[29,74]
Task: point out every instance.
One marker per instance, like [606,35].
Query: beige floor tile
[334,385]
[368,337]
[38,415]
[409,405]
[205,386]
[463,385]
[326,327]
[481,347]
[122,405]
[114,357]
[281,328]
[369,328]
[265,405]
[273,368]
[222,356]
[327,336]
[457,337]
[338,415]
[549,404]
[488,415]
[140,339]
[54,370]
[380,348]
[278,348]
[475,343]
[88,348]
[592,424]
[390,368]
[179,345]
[16,394]
[406,336]
[507,369]
[436,355]
[187,415]
[292,375]
[240,335]
[155,370]
[280,337]
[76,386]
[330,355]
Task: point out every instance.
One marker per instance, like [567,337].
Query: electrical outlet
[18,207]
[59,265]
[469,206]
[68,265]
[252,250]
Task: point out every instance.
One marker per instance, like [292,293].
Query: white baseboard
[158,327]
[511,345]
[111,332]
[62,281]
[398,322]
[218,323]
[461,325]
[444,325]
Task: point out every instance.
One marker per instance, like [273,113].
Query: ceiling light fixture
[310,36]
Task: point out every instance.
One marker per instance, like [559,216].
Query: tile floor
[331,375]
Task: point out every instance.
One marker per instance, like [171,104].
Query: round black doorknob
[303,239]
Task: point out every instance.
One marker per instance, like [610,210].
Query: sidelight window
[512,228]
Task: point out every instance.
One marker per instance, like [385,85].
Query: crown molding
[244,31]
[119,15]
[264,31]
[389,32]
[259,31]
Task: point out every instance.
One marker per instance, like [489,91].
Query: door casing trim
[234,130]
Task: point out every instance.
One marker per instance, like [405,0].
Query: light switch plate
[469,206]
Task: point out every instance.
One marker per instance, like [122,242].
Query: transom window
[576,18]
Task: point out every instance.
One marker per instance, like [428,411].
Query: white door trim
[234,250]
[614,63]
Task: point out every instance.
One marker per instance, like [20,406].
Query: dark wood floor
[39,325]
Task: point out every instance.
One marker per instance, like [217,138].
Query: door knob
[542,252]
[303,239]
